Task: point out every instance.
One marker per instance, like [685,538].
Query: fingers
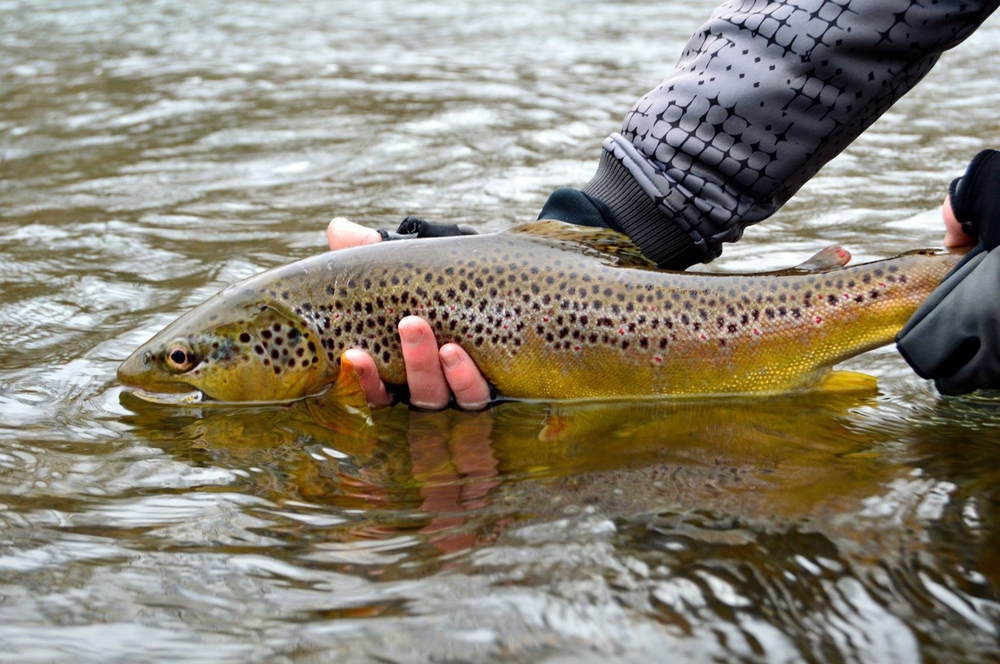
[433,375]
[428,387]
[954,236]
[341,234]
[373,387]
[471,390]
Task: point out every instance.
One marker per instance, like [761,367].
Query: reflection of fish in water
[546,310]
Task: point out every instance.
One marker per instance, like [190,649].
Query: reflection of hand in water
[453,463]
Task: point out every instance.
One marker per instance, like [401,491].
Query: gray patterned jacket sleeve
[764,94]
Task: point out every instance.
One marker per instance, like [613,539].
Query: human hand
[954,236]
[433,374]
[953,337]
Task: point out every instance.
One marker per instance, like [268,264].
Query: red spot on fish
[818,319]
[704,337]
[652,308]
[847,296]
[657,359]
[336,316]
[505,326]
[390,310]
[881,284]
[576,348]
[545,319]
[756,331]
[621,330]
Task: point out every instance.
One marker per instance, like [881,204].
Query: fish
[548,311]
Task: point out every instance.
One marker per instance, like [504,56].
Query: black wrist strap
[414,227]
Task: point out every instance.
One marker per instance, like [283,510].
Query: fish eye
[179,356]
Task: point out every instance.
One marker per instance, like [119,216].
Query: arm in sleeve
[765,93]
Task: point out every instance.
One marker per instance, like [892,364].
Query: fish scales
[544,317]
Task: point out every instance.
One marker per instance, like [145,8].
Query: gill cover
[259,353]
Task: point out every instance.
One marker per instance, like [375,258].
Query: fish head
[232,348]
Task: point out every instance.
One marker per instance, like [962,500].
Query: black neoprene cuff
[575,207]
[636,215]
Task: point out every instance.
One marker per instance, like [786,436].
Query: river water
[151,153]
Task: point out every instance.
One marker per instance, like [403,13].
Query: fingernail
[449,357]
[410,336]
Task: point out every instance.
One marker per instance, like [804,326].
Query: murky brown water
[152,153]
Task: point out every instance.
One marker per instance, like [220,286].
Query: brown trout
[547,311]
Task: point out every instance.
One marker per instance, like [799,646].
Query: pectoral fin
[343,406]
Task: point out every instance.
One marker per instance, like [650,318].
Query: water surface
[151,154]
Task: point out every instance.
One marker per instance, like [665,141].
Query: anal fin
[847,381]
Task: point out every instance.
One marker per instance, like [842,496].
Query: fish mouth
[195,397]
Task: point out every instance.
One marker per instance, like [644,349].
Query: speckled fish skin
[542,316]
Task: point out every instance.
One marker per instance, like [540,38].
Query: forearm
[763,96]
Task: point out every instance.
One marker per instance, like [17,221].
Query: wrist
[638,216]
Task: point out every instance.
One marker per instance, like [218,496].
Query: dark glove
[954,337]
[975,199]
[414,227]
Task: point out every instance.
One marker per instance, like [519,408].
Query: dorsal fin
[604,241]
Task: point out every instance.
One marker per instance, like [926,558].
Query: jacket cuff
[658,236]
